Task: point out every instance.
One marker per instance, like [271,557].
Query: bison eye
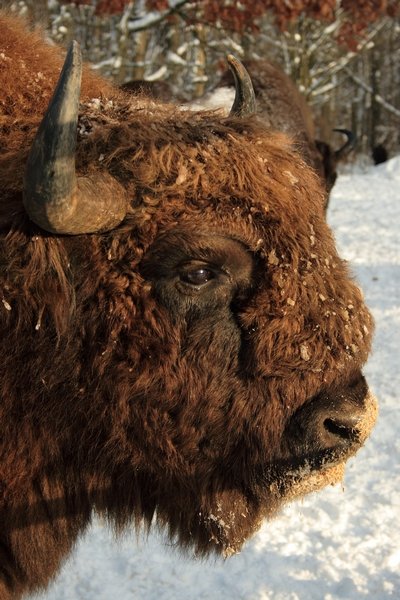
[197,277]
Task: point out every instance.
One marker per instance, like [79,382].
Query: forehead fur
[165,153]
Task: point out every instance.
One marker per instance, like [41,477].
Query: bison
[379,154]
[281,106]
[181,344]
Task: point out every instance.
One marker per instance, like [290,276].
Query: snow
[223,97]
[339,544]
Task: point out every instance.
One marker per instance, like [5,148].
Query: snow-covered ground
[339,544]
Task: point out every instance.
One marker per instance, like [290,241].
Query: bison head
[198,341]
[327,160]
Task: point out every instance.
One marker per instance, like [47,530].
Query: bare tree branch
[377,97]
[150,19]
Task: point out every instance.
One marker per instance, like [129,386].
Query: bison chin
[220,525]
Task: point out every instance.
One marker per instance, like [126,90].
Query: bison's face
[220,338]
[247,408]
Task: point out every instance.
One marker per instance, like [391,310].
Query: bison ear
[54,198]
[245,101]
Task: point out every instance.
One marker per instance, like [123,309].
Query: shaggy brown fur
[282,107]
[158,90]
[128,390]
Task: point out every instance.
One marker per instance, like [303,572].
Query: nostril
[343,429]
[336,421]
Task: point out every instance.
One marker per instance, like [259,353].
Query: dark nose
[330,426]
[334,419]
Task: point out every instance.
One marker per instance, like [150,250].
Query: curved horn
[54,198]
[245,101]
[348,145]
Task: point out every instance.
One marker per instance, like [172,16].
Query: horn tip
[343,130]
[244,103]
[351,136]
[74,53]
[233,61]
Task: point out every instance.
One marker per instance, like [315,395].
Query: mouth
[308,478]
[327,467]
